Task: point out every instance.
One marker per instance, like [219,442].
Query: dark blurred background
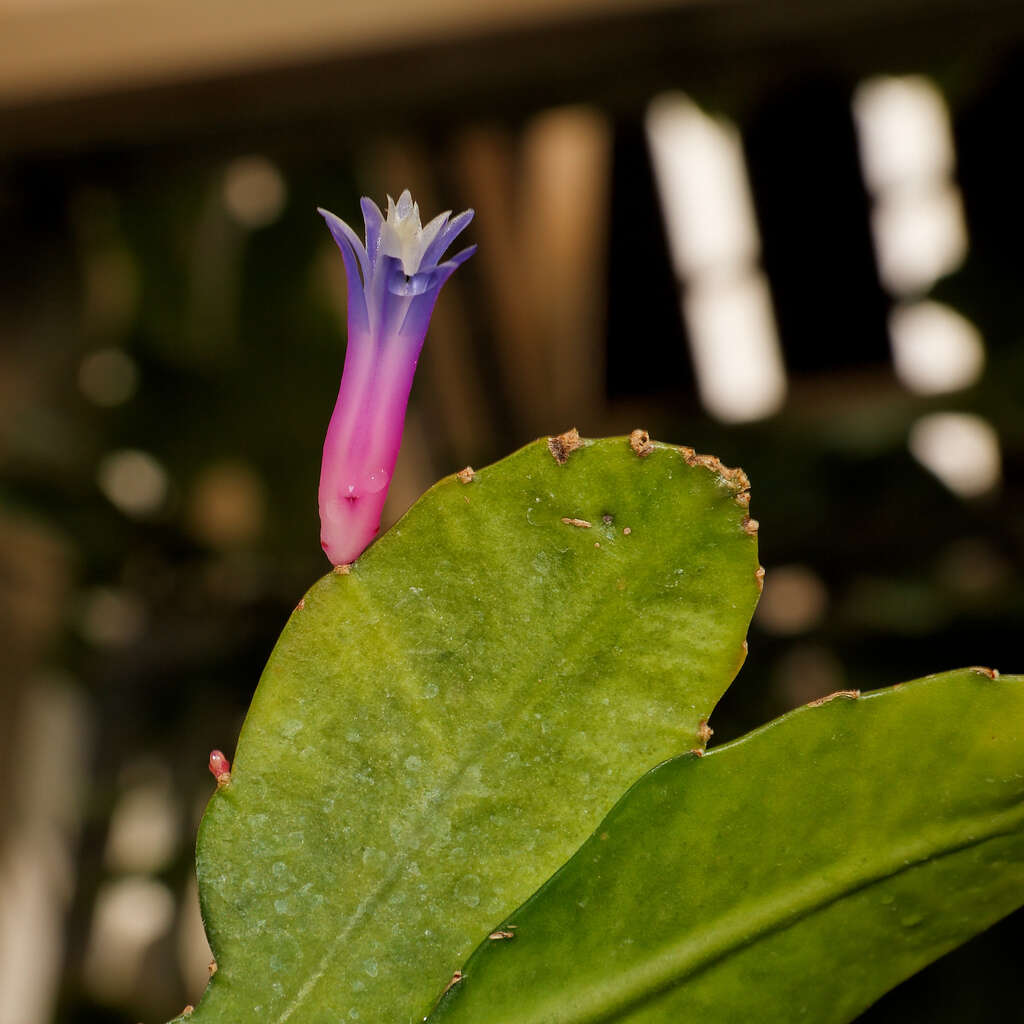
[787,234]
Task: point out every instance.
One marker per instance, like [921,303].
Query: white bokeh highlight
[254,191]
[935,349]
[134,481]
[961,449]
[908,161]
[715,249]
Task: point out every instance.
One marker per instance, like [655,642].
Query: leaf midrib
[750,924]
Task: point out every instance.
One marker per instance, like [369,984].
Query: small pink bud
[220,766]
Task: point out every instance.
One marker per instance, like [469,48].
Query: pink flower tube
[393,283]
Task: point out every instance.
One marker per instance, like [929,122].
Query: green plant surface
[439,728]
[793,875]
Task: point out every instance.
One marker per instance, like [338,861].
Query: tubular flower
[393,283]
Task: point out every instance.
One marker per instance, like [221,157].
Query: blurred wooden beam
[123,73]
[542,199]
[64,47]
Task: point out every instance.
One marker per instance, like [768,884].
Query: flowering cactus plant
[435,757]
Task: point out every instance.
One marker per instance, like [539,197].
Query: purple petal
[339,228]
[432,230]
[445,237]
[417,318]
[354,255]
[393,291]
[374,220]
[459,258]
[405,286]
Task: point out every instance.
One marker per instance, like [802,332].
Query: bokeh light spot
[961,449]
[134,481]
[108,377]
[254,191]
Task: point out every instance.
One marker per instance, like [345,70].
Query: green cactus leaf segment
[440,727]
[793,875]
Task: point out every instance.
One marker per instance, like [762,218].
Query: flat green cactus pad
[438,729]
[794,875]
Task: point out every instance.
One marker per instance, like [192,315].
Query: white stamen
[403,237]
